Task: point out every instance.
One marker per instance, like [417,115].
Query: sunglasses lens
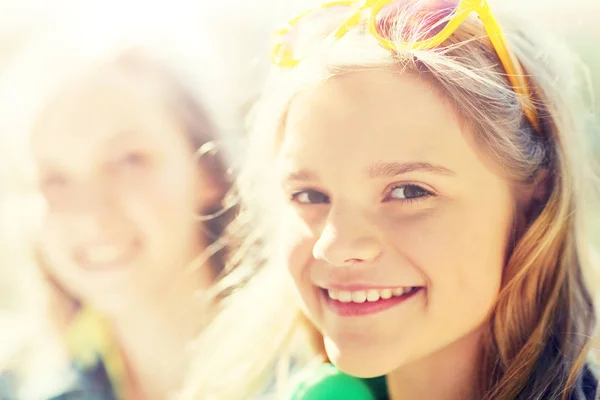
[414,20]
[314,28]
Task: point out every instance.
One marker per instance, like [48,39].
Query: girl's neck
[154,340]
[449,374]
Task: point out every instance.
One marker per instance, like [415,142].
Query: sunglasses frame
[282,56]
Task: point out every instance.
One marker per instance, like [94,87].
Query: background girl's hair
[541,326]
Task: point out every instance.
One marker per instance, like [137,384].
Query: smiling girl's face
[396,225]
[122,184]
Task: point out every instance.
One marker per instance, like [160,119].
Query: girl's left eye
[306,197]
[132,158]
[408,192]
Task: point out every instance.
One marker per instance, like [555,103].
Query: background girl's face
[122,185]
[396,225]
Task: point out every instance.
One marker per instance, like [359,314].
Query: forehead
[375,113]
[92,110]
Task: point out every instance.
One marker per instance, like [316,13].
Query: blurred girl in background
[125,147]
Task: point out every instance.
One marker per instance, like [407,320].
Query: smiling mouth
[364,302]
[107,257]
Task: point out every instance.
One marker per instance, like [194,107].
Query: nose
[347,238]
[92,210]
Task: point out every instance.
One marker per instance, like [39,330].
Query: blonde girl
[419,177]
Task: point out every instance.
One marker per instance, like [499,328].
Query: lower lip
[359,309]
[120,263]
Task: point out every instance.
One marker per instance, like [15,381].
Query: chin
[112,305]
[361,362]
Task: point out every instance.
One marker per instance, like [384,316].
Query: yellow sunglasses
[438,18]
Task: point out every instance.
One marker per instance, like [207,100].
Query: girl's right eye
[309,197]
[53,182]
[132,159]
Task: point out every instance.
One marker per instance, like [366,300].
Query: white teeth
[103,254]
[344,296]
[371,295]
[359,297]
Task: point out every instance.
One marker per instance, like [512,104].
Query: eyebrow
[302,175]
[379,170]
[389,170]
[124,135]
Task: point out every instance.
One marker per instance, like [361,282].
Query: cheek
[55,244]
[162,201]
[297,241]
[461,258]
[57,238]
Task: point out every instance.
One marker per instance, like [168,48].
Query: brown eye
[310,197]
[133,158]
[408,192]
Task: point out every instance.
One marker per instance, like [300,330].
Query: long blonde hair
[538,338]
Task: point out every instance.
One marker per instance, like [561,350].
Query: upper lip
[357,287]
